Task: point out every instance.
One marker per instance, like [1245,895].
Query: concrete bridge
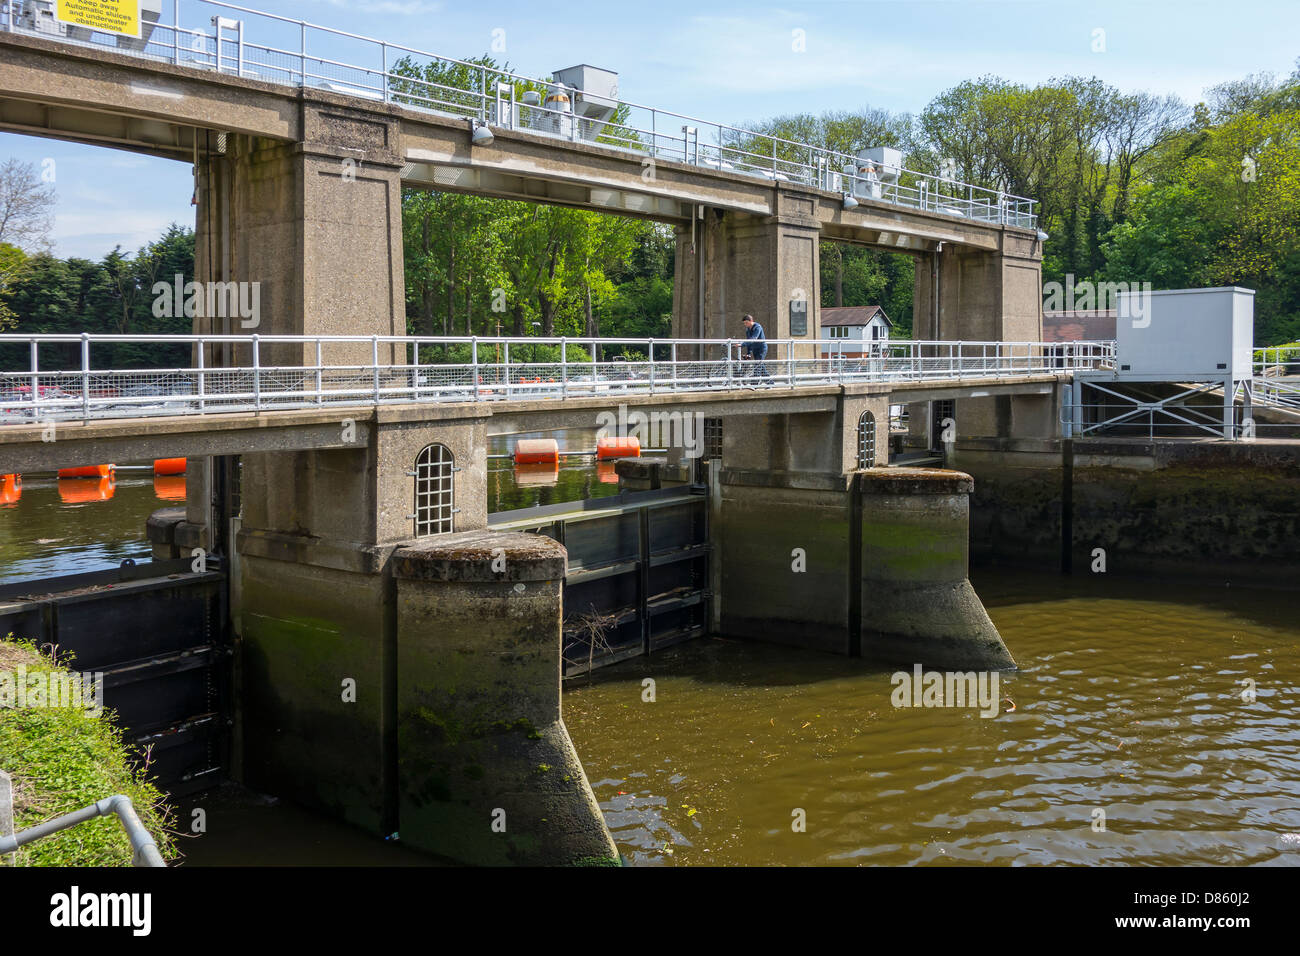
[301,154]
[361,553]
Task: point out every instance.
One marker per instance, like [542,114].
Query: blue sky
[732,62]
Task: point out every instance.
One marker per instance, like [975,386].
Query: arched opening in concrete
[867,440]
[434,491]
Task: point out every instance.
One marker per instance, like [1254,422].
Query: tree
[26,207]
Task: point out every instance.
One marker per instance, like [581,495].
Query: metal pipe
[144,849]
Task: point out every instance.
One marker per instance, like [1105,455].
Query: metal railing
[63,381]
[144,850]
[241,41]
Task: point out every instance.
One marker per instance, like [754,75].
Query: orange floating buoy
[618,448]
[169,466]
[76,492]
[11,489]
[89,471]
[169,487]
[538,475]
[605,473]
[533,451]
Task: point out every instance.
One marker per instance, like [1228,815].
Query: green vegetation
[61,759]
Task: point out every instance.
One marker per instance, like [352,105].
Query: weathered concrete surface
[782,541]
[305,631]
[762,266]
[785,542]
[984,296]
[160,530]
[487,773]
[1208,509]
[918,605]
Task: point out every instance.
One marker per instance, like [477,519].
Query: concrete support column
[309,233]
[766,266]
[983,295]
[317,225]
[487,773]
[918,605]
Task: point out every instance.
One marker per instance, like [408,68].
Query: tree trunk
[592,329]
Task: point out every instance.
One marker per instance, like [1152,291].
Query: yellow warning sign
[110,16]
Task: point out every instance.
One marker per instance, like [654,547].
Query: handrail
[274,371]
[144,850]
[656,135]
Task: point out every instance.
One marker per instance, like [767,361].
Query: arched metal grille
[867,440]
[434,486]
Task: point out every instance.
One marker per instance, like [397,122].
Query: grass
[62,759]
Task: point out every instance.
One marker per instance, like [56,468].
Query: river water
[1127,713]
[1127,736]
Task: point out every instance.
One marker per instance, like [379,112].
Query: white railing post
[651,353]
[302,54]
[374,363]
[257,373]
[473,354]
[672,361]
[202,377]
[85,377]
[320,382]
[383,75]
[176,30]
[36,378]
[506,356]
[789,362]
[595,367]
[564,366]
[728,363]
[415,369]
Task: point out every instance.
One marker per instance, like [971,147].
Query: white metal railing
[237,40]
[66,378]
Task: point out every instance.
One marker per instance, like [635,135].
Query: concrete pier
[872,563]
[918,605]
[487,773]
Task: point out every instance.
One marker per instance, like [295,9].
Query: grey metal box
[1191,334]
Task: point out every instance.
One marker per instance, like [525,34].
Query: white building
[855,331]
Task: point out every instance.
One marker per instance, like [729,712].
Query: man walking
[755,349]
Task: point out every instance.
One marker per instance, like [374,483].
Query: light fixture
[850,202]
[1042,236]
[480,134]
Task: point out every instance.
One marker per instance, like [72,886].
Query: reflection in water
[539,475]
[69,525]
[169,487]
[11,489]
[512,486]
[77,491]
[1124,704]
[52,527]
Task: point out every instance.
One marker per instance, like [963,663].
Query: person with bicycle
[755,350]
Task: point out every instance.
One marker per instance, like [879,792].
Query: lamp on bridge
[480,134]
[850,202]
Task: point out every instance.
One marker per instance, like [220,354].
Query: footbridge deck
[288,393]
